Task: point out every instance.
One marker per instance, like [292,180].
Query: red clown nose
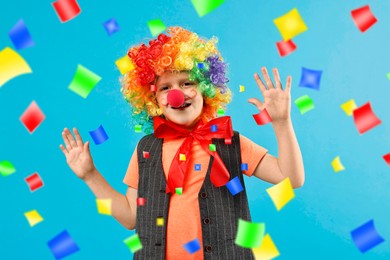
[175,98]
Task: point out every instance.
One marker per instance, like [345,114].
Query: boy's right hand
[77,153]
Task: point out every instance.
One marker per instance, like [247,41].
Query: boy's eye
[163,88]
[189,83]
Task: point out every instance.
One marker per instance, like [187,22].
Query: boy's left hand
[276,100]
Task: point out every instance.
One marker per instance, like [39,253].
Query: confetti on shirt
[32,117]
[365,119]
[249,234]
[197,167]
[290,24]
[267,250]
[124,64]
[62,245]
[212,147]
[12,65]
[182,157]
[304,103]
[111,26]
[179,191]
[66,9]
[160,221]
[366,237]
[337,165]
[262,117]
[104,206]
[34,182]
[281,193]
[234,186]
[349,107]
[145,154]
[386,157]
[192,246]
[363,18]
[204,7]
[83,81]
[6,168]
[156,27]
[214,128]
[99,135]
[244,166]
[141,201]
[310,78]
[33,217]
[286,47]
[133,243]
[20,36]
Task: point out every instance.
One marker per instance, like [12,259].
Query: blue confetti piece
[111,26]
[310,78]
[20,36]
[197,167]
[234,186]
[99,136]
[62,245]
[200,65]
[214,128]
[366,237]
[192,246]
[244,166]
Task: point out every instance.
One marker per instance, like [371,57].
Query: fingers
[63,149]
[66,140]
[79,140]
[257,103]
[259,83]
[267,79]
[288,83]
[278,83]
[86,147]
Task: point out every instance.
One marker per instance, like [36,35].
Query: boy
[178,84]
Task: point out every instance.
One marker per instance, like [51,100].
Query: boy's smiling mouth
[185,105]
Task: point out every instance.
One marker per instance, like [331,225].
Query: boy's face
[188,114]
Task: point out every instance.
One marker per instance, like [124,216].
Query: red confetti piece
[32,117]
[364,118]
[386,157]
[141,201]
[34,182]
[145,154]
[228,141]
[262,118]
[153,88]
[286,47]
[66,9]
[363,18]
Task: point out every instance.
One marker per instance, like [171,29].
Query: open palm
[276,100]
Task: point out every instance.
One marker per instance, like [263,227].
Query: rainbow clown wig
[179,50]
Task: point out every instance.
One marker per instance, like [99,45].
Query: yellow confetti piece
[242,88]
[290,24]
[281,193]
[182,157]
[337,165]
[267,250]
[160,221]
[33,217]
[104,206]
[12,65]
[349,107]
[124,64]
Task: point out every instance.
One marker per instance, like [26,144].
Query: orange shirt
[184,223]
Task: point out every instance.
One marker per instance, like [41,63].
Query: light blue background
[315,225]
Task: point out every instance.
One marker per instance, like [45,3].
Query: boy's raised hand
[276,100]
[77,153]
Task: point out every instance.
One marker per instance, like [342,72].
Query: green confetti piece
[204,7]
[179,191]
[133,243]
[84,81]
[6,168]
[220,112]
[138,128]
[388,76]
[212,147]
[249,234]
[156,27]
[304,103]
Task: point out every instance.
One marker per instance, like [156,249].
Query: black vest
[219,209]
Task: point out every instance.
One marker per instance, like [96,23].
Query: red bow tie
[220,127]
